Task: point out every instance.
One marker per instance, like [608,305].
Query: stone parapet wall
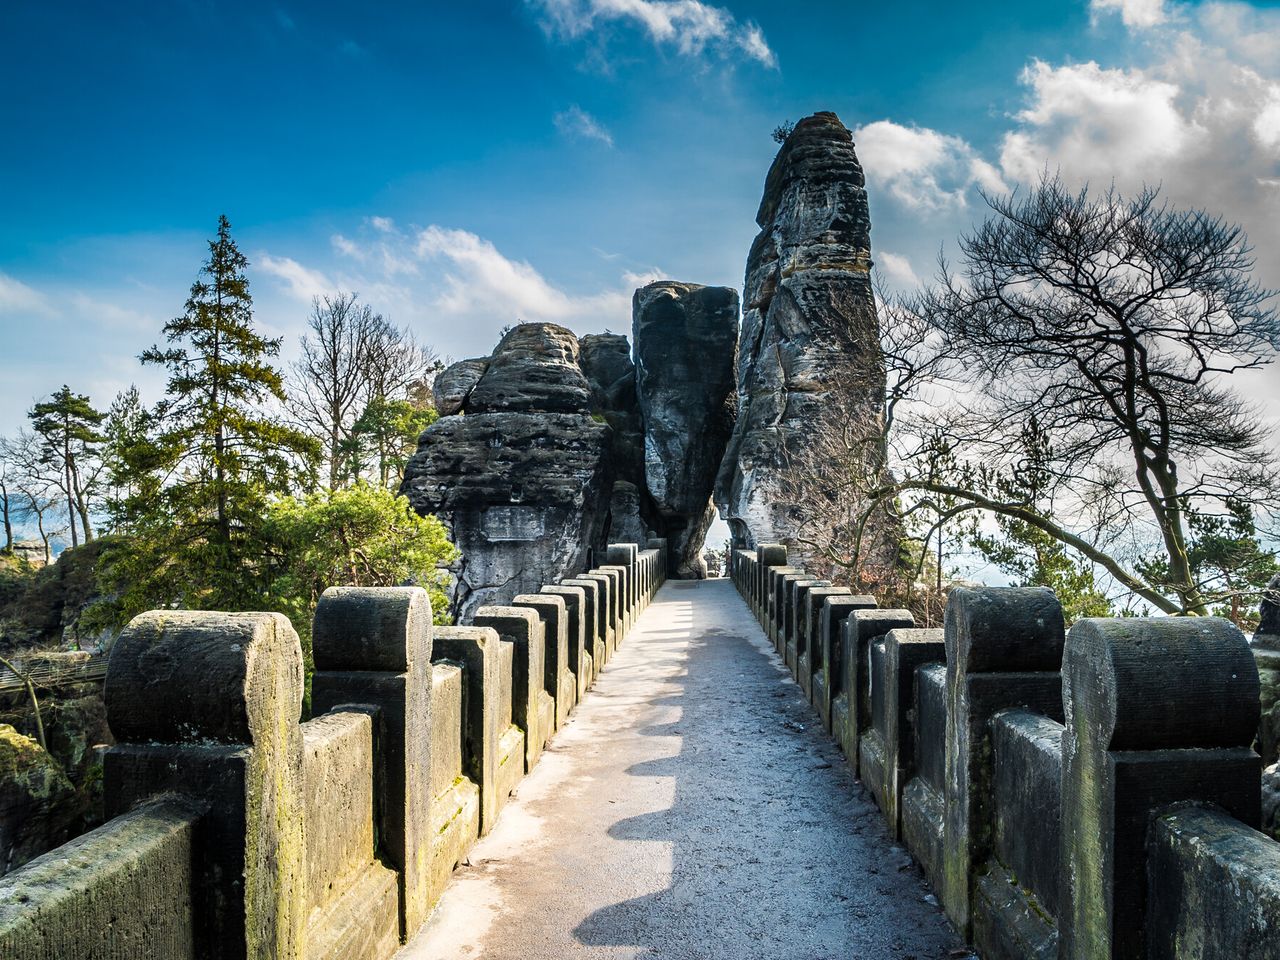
[239,831]
[1081,795]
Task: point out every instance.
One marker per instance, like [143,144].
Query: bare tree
[1114,325]
[8,474]
[353,358]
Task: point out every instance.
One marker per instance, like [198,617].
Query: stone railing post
[532,708]
[1004,649]
[614,607]
[593,629]
[1158,711]
[373,645]
[577,626]
[624,555]
[208,705]
[477,649]
[767,555]
[828,669]
[851,705]
[558,677]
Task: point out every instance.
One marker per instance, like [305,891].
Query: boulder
[686,338]
[454,384]
[522,474]
[810,338]
[533,370]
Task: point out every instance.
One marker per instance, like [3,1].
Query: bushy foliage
[363,536]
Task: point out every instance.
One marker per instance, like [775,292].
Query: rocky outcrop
[810,341]
[686,336]
[521,473]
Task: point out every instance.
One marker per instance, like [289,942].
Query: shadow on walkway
[775,851]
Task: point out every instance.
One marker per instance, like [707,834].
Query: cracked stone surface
[693,808]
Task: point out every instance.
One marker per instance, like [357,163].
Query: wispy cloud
[693,28]
[301,282]
[18,300]
[1136,14]
[577,123]
[454,286]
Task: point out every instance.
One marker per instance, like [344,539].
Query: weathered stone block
[1004,649]
[373,646]
[532,707]
[576,627]
[828,674]
[454,820]
[478,651]
[207,705]
[557,677]
[861,629]
[123,890]
[1158,711]
[1214,888]
[593,620]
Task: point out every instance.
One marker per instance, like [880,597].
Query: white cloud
[17,299]
[576,122]
[896,270]
[302,282]
[690,26]
[1139,14]
[454,287]
[922,168]
[1095,123]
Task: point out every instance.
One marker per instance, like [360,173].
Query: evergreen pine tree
[67,425]
[215,455]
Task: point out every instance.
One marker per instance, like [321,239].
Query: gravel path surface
[693,808]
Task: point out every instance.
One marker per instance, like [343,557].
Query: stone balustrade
[1082,795]
[239,831]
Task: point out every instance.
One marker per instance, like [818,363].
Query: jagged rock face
[522,474]
[686,337]
[809,317]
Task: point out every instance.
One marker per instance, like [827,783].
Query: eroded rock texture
[521,472]
[686,337]
[809,326]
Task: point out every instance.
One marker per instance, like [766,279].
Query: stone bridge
[604,763]
[621,765]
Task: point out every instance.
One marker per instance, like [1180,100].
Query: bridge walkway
[693,808]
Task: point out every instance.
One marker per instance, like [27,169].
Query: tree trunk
[8,519]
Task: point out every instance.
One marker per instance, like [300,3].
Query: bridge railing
[238,831]
[1092,794]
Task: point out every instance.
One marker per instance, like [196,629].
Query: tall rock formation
[809,319]
[520,471]
[686,339]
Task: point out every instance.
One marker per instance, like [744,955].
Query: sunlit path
[692,808]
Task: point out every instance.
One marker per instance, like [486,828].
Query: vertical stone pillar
[613,604]
[799,625]
[592,619]
[904,651]
[851,706]
[557,676]
[576,627]
[828,674]
[1158,711]
[532,708]
[1004,649]
[208,705]
[476,649]
[624,555]
[626,613]
[373,645]
[767,555]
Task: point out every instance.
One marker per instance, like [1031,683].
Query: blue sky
[462,165]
